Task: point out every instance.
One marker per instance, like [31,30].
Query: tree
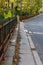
[31,6]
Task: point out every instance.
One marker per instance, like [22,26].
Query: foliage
[28,7]
[31,6]
[1,17]
[7,14]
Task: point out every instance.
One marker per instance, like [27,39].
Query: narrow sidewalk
[25,52]
[9,55]
[26,57]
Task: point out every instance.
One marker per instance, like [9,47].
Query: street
[35,27]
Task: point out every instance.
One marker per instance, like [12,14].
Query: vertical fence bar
[6,28]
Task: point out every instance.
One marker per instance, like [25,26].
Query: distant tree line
[30,6]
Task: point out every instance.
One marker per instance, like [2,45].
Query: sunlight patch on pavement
[35,32]
[30,32]
[26,30]
[12,40]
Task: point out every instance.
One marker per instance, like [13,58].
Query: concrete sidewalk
[11,49]
[28,53]
[25,51]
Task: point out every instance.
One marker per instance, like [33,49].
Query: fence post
[18,23]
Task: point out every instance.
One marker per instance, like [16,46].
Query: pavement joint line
[23,53]
[12,45]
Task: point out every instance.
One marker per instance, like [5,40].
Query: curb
[35,54]
[37,58]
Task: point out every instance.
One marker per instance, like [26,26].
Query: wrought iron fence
[6,28]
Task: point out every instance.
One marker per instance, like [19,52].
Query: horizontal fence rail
[6,28]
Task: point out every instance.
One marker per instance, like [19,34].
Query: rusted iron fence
[6,28]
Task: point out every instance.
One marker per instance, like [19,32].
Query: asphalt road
[35,28]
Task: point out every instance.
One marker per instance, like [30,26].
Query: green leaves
[31,6]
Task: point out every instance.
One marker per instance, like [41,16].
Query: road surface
[35,28]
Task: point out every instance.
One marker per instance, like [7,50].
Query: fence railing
[6,28]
